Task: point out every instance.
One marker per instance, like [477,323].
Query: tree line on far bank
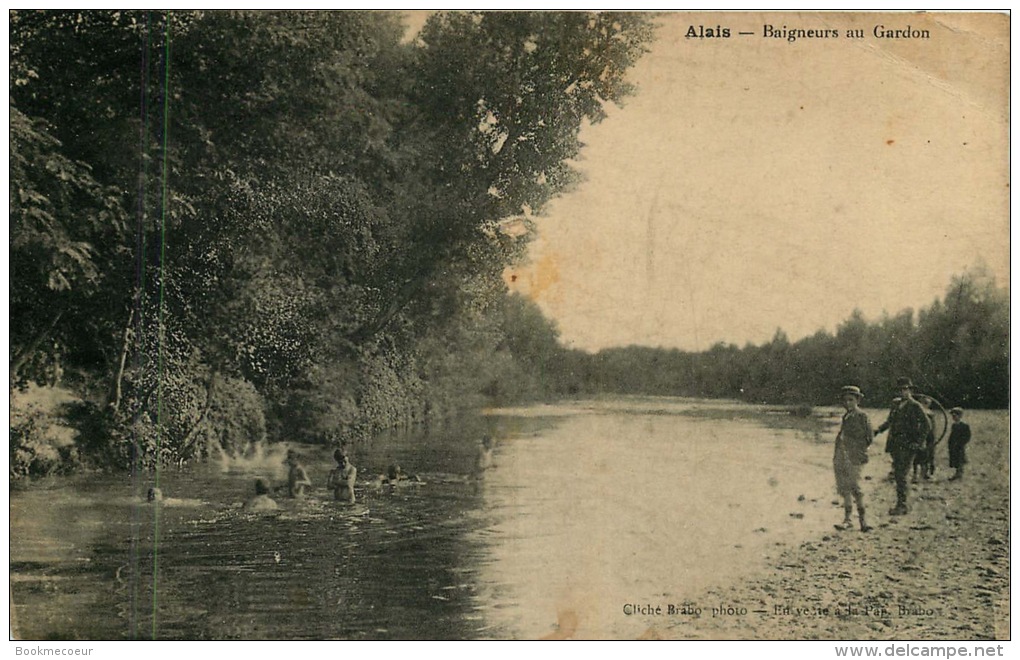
[956,349]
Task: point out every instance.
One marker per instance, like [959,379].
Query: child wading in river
[297,478]
[342,477]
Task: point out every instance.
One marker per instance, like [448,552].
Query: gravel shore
[939,573]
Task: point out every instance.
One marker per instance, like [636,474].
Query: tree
[963,341]
[64,229]
[498,102]
[317,206]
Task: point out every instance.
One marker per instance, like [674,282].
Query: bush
[235,420]
[25,443]
[104,437]
[390,394]
[801,410]
[41,442]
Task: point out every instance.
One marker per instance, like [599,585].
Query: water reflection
[584,509]
[605,509]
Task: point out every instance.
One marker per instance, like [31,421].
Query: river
[589,507]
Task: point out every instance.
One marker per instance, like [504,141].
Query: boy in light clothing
[851,452]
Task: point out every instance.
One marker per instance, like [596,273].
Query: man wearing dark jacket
[958,439]
[908,427]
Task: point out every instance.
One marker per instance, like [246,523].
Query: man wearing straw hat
[852,441]
[908,426]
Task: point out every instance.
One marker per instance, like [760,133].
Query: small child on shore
[959,436]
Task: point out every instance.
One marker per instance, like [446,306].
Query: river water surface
[588,508]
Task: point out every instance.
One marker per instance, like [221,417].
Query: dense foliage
[956,350]
[228,225]
[233,226]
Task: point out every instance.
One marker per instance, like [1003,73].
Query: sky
[752,183]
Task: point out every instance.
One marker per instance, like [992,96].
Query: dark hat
[957,410]
[851,389]
[904,382]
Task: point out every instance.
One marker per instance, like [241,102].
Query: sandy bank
[939,573]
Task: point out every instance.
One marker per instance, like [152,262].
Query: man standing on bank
[852,441]
[908,429]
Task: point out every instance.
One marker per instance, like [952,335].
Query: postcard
[336,325]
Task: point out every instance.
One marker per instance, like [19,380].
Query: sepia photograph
[509,325]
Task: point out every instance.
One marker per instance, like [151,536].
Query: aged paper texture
[595,397]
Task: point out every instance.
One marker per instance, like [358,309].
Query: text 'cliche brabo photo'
[378,325]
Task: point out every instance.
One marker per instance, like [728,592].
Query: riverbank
[722,510]
[939,573]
